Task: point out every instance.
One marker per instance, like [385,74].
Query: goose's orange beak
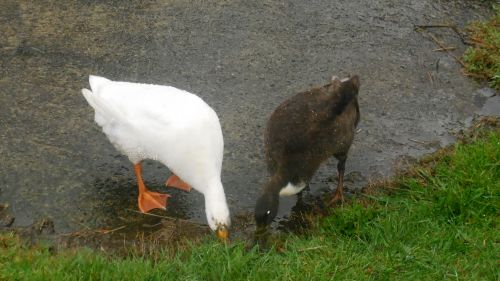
[222,233]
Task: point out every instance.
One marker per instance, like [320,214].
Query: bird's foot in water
[337,199]
[175,181]
[149,200]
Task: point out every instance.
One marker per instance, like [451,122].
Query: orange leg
[175,181]
[148,200]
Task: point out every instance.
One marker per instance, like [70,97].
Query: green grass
[482,60]
[440,223]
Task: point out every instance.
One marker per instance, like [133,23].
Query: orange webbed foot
[175,181]
[149,200]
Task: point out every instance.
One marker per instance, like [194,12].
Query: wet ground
[242,58]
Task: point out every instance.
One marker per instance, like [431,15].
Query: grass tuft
[483,58]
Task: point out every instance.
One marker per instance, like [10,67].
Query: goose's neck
[215,192]
[215,204]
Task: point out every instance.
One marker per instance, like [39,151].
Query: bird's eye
[268,212]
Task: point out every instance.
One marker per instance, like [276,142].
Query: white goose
[169,125]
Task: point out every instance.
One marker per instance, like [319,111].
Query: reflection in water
[114,200]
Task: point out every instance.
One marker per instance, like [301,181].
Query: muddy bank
[243,59]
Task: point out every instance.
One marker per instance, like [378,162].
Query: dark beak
[260,236]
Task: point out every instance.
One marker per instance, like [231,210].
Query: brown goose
[303,132]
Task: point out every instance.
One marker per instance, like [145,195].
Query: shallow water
[243,59]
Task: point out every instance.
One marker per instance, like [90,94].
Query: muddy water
[243,59]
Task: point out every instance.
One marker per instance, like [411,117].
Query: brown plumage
[303,132]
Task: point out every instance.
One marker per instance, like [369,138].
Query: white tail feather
[96,81]
[105,112]
[88,96]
